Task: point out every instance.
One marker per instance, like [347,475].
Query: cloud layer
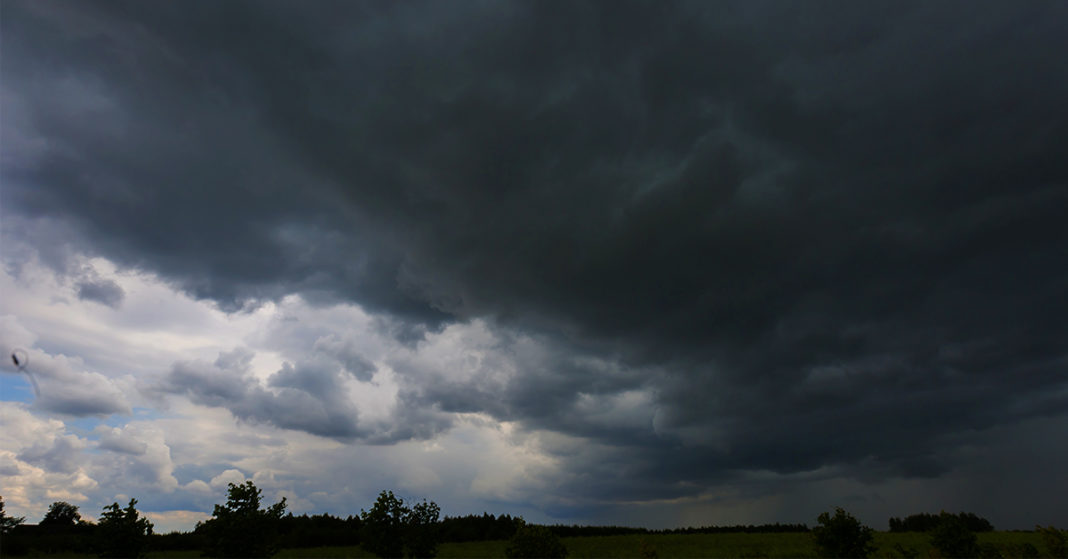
[673,248]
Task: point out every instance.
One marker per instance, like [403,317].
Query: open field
[668,546]
[681,546]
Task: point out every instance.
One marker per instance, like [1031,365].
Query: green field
[689,545]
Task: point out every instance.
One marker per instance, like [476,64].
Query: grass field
[671,546]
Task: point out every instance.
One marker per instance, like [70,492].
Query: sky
[639,263]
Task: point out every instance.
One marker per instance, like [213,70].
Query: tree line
[951,535]
[245,527]
[925,522]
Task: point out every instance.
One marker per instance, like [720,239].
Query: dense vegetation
[842,535]
[924,522]
[392,528]
[123,532]
[240,528]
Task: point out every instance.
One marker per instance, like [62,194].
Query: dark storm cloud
[795,226]
[103,291]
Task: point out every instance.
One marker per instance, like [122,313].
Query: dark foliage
[1015,550]
[318,530]
[62,530]
[842,535]
[990,551]
[647,550]
[178,541]
[1056,541]
[7,523]
[306,531]
[35,539]
[392,529]
[952,538]
[906,552]
[489,527]
[415,531]
[477,528]
[61,514]
[383,526]
[123,532]
[533,541]
[925,522]
[241,528]
[421,530]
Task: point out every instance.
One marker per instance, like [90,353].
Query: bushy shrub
[531,541]
[952,538]
[1025,551]
[989,551]
[646,550]
[842,535]
[1056,541]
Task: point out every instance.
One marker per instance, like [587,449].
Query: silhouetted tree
[952,538]
[975,523]
[7,523]
[531,540]
[383,526]
[422,530]
[842,535]
[61,514]
[123,532]
[392,529]
[240,528]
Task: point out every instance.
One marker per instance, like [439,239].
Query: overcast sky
[655,264]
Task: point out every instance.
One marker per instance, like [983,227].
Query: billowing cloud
[60,454]
[673,248]
[42,462]
[116,440]
[66,387]
[307,399]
